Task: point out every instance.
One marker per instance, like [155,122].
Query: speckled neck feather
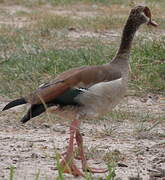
[127,36]
[130,28]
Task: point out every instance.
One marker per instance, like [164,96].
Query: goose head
[141,15]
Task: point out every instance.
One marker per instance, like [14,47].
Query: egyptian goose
[87,92]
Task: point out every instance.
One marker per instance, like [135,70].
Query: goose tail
[14,103]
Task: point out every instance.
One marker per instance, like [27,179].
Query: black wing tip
[34,110]
[24,119]
[5,108]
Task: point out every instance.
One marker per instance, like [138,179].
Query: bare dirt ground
[135,138]
[31,148]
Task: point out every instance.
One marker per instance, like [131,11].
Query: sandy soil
[31,148]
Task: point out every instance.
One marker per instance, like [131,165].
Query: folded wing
[77,77]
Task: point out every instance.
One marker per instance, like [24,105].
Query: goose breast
[101,97]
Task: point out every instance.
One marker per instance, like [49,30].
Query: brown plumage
[77,77]
[105,86]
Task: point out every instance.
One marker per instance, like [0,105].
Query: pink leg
[85,167]
[67,163]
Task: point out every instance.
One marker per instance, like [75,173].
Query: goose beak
[152,23]
[148,14]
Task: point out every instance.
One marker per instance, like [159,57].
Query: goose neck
[127,38]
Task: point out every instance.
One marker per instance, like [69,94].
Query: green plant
[37,175]
[11,176]
[111,172]
[60,170]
